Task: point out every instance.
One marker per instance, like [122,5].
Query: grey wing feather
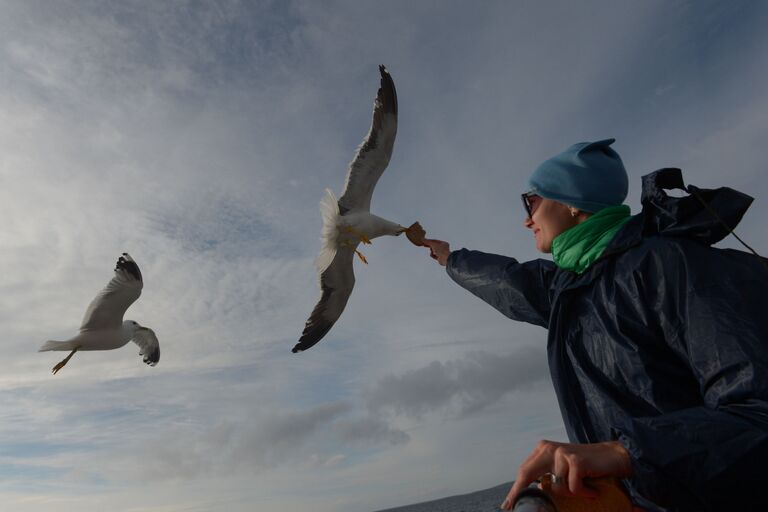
[107,309]
[374,153]
[336,283]
[147,341]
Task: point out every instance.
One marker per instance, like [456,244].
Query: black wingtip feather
[129,266]
[387,88]
[311,336]
[153,357]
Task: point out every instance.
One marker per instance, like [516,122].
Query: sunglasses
[527,203]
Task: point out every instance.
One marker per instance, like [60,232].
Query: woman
[657,342]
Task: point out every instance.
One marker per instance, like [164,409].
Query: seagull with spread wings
[103,327]
[349,222]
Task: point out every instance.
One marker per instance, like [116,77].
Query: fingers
[567,466]
[507,503]
[562,473]
[540,461]
[569,474]
[518,487]
[510,499]
[431,245]
[438,250]
[576,484]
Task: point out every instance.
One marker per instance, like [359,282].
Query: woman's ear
[579,215]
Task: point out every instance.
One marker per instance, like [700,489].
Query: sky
[199,137]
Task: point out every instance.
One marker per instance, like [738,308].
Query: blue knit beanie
[589,176]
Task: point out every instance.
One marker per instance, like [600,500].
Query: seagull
[103,327]
[349,222]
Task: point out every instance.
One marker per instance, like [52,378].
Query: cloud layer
[199,137]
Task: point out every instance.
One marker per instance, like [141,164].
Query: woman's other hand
[571,463]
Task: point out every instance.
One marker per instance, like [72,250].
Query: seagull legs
[359,254]
[363,238]
[60,365]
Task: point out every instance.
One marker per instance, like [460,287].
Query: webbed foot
[61,364]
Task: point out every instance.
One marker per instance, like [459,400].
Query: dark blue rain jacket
[661,344]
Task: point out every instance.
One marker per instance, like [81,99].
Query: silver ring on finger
[554,479]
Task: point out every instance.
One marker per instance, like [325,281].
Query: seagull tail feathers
[329,210]
[56,345]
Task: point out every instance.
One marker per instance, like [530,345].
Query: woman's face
[548,219]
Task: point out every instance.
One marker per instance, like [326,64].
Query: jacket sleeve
[519,291]
[713,454]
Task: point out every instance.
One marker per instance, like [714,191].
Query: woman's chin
[544,247]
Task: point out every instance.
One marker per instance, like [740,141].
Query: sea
[487,500]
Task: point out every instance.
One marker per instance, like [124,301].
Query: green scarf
[578,247]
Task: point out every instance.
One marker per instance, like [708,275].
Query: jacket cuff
[644,476]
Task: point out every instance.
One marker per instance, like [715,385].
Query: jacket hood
[706,215]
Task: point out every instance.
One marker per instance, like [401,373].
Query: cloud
[249,442]
[294,428]
[367,430]
[462,386]
[222,447]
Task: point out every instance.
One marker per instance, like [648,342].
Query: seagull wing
[374,153]
[146,339]
[336,283]
[107,309]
